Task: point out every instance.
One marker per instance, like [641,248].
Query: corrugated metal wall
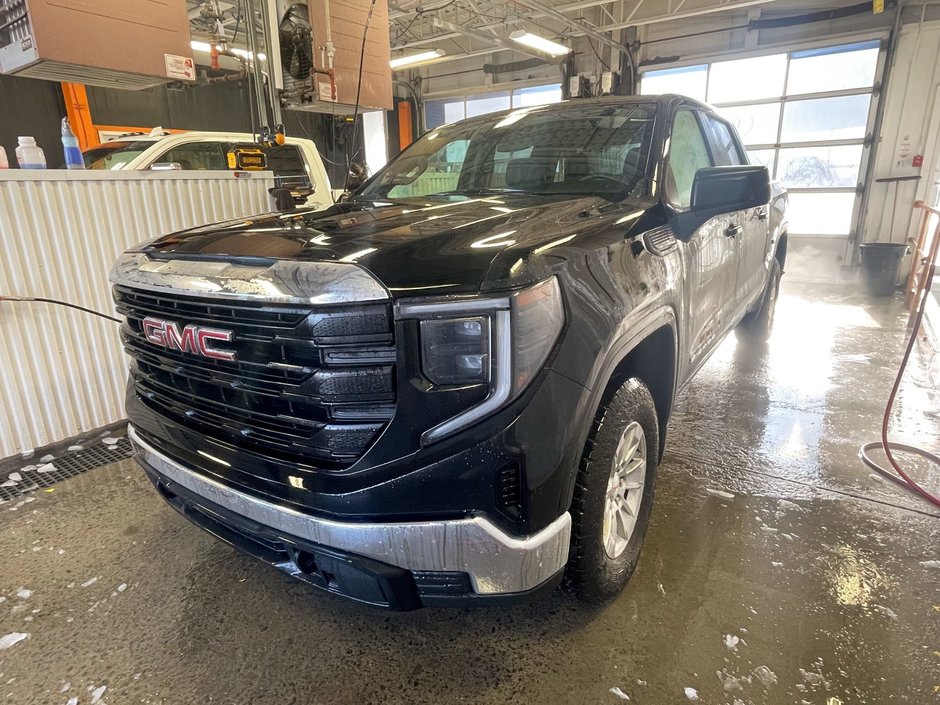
[62,372]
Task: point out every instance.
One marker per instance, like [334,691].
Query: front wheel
[757,325]
[614,494]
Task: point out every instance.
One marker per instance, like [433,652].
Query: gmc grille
[309,383]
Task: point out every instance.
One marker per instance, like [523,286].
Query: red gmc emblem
[191,339]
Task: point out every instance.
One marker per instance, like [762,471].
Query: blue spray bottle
[73,155]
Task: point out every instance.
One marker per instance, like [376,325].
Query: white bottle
[29,155]
[4,164]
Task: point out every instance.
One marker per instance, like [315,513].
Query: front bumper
[495,562]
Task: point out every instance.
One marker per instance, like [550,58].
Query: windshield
[596,149]
[114,155]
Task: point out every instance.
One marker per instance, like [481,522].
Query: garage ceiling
[415,23]
[465,28]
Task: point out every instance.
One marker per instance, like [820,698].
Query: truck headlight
[456,351]
[502,342]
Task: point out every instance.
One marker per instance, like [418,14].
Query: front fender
[631,332]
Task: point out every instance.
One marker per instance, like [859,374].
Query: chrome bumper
[496,562]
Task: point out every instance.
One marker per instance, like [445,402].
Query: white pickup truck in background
[296,163]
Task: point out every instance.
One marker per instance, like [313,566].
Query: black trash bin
[881,263]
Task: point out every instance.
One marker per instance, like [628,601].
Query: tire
[595,574]
[756,326]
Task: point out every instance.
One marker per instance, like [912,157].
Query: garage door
[806,114]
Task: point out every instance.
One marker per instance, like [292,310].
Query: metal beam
[487,38]
[573,24]
[684,15]
[632,21]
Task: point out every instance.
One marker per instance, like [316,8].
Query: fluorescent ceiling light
[423,57]
[540,43]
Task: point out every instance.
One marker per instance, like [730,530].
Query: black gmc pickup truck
[455,386]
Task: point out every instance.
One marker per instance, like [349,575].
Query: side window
[288,165]
[201,156]
[725,146]
[687,154]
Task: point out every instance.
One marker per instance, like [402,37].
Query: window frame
[499,92]
[794,52]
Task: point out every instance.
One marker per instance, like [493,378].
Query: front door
[710,296]
[753,225]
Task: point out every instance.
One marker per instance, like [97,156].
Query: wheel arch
[652,341]
[653,362]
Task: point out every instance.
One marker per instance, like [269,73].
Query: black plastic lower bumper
[346,574]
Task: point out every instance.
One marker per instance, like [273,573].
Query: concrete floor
[817,583]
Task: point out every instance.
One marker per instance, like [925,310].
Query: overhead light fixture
[542,44]
[424,57]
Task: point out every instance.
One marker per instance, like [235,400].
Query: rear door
[710,281]
[754,231]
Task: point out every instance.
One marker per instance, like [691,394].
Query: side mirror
[725,189]
[166,166]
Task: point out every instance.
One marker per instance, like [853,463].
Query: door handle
[733,230]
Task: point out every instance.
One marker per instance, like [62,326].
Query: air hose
[36,299]
[902,478]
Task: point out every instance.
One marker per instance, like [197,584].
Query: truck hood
[412,246]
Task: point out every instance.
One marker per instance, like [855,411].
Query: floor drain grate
[35,475]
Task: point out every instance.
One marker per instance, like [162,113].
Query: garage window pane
[833,68]
[844,117]
[487,103]
[820,167]
[820,213]
[747,79]
[764,157]
[537,95]
[443,112]
[757,124]
[687,80]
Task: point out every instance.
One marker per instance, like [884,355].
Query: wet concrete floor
[816,583]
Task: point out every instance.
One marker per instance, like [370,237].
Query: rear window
[114,155]
[288,166]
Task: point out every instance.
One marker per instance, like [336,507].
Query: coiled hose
[902,478]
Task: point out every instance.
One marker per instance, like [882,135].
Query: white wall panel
[912,92]
[62,372]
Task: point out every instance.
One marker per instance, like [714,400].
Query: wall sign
[181,67]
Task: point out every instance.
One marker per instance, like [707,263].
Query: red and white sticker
[325,90]
[182,67]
